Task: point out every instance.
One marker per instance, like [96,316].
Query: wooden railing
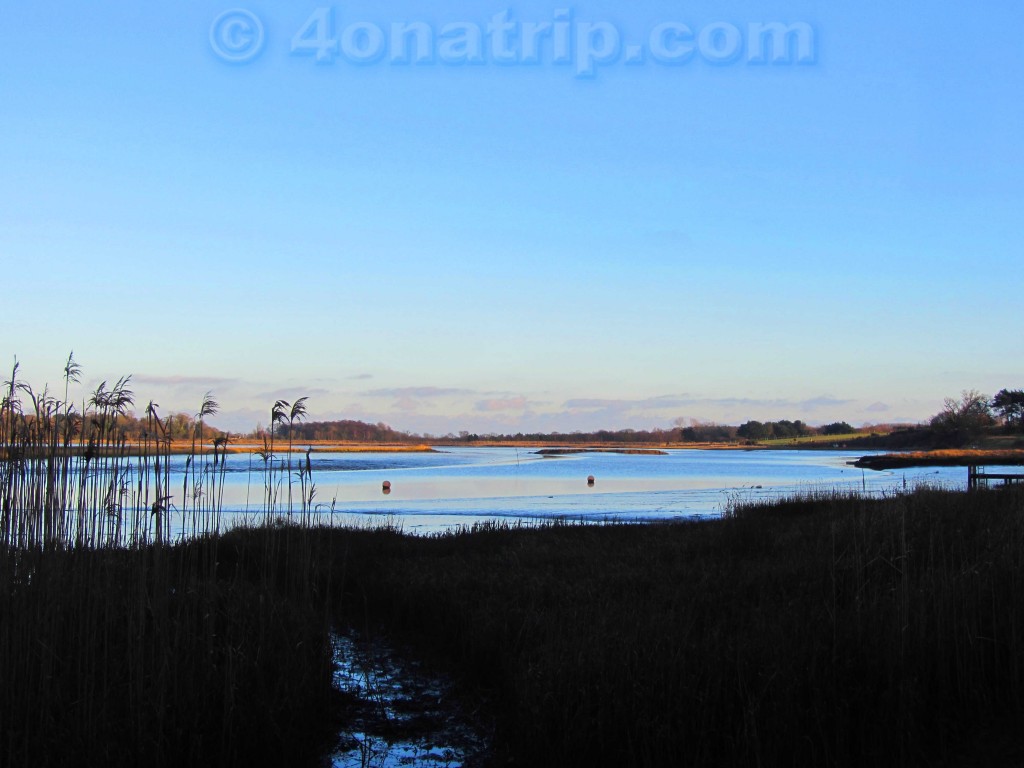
[976,475]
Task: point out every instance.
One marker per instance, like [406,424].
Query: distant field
[812,440]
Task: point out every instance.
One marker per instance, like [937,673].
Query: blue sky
[522,245]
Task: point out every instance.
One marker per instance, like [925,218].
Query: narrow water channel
[400,714]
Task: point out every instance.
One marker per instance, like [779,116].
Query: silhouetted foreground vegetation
[157,657]
[821,631]
[829,630]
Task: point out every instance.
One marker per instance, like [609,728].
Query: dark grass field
[829,630]
[826,630]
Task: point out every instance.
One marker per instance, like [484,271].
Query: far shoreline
[244,445]
[248,445]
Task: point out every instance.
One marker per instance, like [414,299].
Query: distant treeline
[695,433]
[784,429]
[622,436]
[358,431]
[344,431]
[961,422]
[177,426]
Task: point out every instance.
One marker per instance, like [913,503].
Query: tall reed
[131,631]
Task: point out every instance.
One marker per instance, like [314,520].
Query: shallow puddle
[401,715]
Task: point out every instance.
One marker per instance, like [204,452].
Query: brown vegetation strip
[568,451]
[946,458]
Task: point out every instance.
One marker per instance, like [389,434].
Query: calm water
[461,486]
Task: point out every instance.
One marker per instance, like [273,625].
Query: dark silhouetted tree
[1009,404]
[962,420]
[837,428]
[754,430]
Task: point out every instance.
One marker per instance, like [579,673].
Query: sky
[533,217]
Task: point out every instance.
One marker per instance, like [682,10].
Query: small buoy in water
[386,487]
[590,480]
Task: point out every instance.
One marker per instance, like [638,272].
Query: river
[461,486]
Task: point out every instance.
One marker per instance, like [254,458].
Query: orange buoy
[590,480]
[386,487]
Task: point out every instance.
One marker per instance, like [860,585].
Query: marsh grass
[828,629]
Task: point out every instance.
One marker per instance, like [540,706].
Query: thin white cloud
[182,381]
[420,392]
[503,404]
[293,393]
[823,401]
[647,403]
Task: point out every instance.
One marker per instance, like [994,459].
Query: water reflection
[401,714]
[461,486]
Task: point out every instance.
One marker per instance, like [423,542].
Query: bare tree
[962,420]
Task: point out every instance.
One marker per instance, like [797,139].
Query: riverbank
[622,451]
[942,458]
[327,446]
[188,448]
[241,446]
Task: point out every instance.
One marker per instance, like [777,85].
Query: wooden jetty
[976,476]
